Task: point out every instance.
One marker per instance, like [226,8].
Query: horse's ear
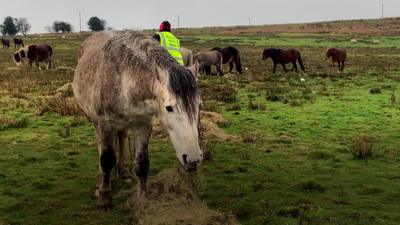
[194,69]
[162,76]
[159,87]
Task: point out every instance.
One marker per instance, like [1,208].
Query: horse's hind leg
[219,69]
[105,139]
[142,163]
[124,152]
[37,64]
[48,63]
[274,70]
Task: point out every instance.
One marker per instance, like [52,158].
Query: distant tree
[8,26]
[61,26]
[96,24]
[22,25]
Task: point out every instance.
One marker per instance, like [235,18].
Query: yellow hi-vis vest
[172,45]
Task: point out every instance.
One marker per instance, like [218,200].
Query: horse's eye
[169,108]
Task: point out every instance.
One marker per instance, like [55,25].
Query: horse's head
[18,55]
[266,54]
[329,53]
[179,102]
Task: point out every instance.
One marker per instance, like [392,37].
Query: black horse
[18,43]
[5,43]
[230,55]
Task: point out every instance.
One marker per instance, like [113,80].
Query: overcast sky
[121,14]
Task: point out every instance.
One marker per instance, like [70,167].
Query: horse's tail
[236,58]
[301,63]
[50,51]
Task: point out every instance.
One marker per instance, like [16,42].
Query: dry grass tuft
[171,199]
[9,123]
[393,98]
[208,148]
[250,136]
[59,104]
[375,90]
[362,145]
[234,107]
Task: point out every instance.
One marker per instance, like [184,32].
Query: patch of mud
[209,127]
[171,200]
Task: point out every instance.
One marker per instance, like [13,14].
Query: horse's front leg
[142,163]
[284,67]
[37,64]
[124,151]
[105,139]
[30,62]
[275,65]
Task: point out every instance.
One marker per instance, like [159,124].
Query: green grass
[298,170]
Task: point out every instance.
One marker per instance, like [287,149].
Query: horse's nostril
[184,156]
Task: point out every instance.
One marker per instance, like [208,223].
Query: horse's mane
[135,51]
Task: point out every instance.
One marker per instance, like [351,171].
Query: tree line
[12,26]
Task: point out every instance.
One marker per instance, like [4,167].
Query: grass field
[293,162]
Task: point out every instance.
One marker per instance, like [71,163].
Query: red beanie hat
[165,26]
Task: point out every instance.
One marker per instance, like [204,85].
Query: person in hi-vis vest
[169,41]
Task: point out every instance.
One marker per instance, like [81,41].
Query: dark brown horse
[283,57]
[230,55]
[5,43]
[338,55]
[18,43]
[37,53]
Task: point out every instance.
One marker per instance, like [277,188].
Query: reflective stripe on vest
[172,45]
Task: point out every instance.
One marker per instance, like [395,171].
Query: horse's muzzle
[190,166]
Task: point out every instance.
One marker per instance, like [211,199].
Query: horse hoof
[104,201]
[106,207]
[97,192]
[142,192]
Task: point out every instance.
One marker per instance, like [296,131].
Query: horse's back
[187,56]
[210,57]
[112,66]
[94,43]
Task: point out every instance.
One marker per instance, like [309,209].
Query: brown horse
[5,42]
[37,53]
[18,42]
[338,55]
[283,57]
[230,55]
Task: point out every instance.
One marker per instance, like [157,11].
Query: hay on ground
[171,200]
